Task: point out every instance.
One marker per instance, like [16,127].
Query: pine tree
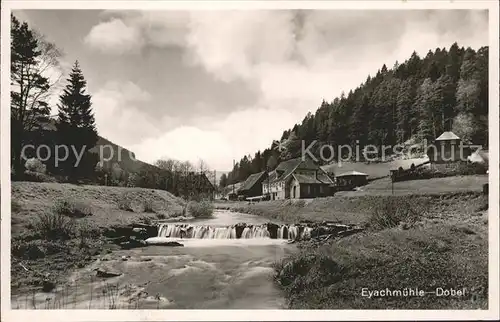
[76,126]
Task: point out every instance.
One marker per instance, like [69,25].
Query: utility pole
[215,182]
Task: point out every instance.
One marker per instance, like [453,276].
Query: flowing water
[215,269]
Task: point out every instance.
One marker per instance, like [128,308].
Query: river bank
[46,249]
[421,241]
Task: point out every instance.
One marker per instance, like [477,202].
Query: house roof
[309,179]
[251,181]
[229,188]
[447,136]
[351,173]
[286,168]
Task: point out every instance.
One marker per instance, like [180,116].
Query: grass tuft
[392,212]
[148,206]
[125,203]
[54,226]
[72,208]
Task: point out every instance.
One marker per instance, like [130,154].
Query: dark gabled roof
[323,177]
[286,168]
[304,178]
[251,181]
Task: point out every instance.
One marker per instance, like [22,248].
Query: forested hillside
[415,100]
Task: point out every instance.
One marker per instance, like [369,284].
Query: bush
[145,219]
[72,208]
[148,206]
[35,165]
[125,203]
[37,177]
[202,209]
[55,226]
[393,211]
[161,216]
[35,249]
[455,169]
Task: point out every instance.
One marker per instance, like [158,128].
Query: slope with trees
[413,101]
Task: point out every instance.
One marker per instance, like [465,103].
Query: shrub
[148,206]
[455,169]
[35,249]
[202,209]
[125,203]
[54,226]
[35,165]
[37,177]
[161,216]
[393,211]
[145,219]
[72,208]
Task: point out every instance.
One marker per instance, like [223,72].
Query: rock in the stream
[157,242]
[239,229]
[101,272]
[133,243]
[273,230]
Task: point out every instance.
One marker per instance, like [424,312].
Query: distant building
[350,180]
[252,187]
[447,150]
[196,185]
[230,192]
[297,178]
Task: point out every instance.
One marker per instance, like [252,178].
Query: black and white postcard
[249,160]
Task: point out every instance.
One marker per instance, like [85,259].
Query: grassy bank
[333,275]
[56,228]
[357,210]
[414,241]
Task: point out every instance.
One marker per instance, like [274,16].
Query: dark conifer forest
[415,100]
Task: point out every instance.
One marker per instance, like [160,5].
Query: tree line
[417,100]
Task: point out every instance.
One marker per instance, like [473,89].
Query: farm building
[351,179]
[296,179]
[447,151]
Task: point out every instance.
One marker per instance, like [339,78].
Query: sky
[218,85]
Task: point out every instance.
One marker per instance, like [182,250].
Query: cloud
[130,31]
[221,141]
[118,116]
[114,37]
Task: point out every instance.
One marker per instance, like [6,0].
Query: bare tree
[35,71]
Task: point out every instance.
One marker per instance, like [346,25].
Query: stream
[214,270]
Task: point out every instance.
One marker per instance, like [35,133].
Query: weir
[238,231]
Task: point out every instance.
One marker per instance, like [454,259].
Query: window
[308,189]
[321,189]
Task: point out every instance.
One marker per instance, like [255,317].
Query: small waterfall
[290,232]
